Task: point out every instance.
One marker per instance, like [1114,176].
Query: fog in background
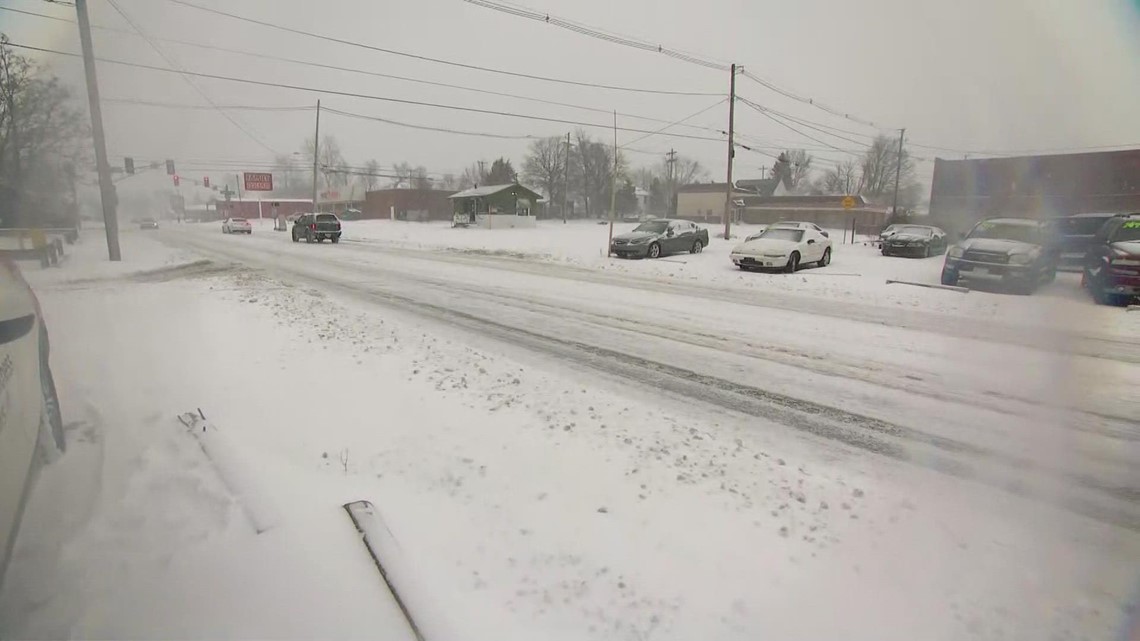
[973,75]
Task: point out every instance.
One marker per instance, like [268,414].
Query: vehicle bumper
[759,262]
[630,251]
[904,250]
[1122,284]
[969,269]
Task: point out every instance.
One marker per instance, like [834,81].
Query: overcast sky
[970,74]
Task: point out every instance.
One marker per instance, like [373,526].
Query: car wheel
[1023,287]
[1100,293]
[335,239]
[295,239]
[949,278]
[654,251]
[793,263]
[926,252]
[697,248]
[309,238]
[826,260]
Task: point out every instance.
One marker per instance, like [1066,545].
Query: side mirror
[669,233]
[825,234]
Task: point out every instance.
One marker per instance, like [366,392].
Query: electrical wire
[673,124]
[350,94]
[761,110]
[452,63]
[425,127]
[366,72]
[175,105]
[173,63]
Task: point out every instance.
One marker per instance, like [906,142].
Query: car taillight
[313,227]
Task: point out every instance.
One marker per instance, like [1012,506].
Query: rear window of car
[238,220]
[326,218]
[1082,226]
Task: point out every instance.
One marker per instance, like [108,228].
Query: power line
[452,63]
[425,127]
[637,43]
[173,63]
[366,72]
[773,118]
[175,105]
[350,94]
[673,124]
[523,12]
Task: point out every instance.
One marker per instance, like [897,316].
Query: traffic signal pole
[106,188]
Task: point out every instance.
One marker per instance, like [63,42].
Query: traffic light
[175,180]
[205,181]
[170,167]
[129,165]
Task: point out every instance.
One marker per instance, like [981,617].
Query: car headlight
[955,252]
[1020,259]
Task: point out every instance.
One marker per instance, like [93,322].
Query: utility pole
[566,178]
[106,188]
[670,161]
[898,173]
[316,154]
[731,154]
[613,188]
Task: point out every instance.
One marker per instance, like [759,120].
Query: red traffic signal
[175,180]
[205,181]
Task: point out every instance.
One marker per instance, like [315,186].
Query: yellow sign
[848,202]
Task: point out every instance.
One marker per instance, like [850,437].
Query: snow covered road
[563,451]
[922,389]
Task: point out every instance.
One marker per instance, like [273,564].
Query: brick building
[408,204]
[964,191]
[268,208]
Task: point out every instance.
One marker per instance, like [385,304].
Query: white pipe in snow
[261,511]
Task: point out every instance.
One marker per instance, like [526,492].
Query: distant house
[704,202]
[825,211]
[496,206]
[408,204]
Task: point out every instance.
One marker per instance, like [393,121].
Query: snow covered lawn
[857,272]
[534,500]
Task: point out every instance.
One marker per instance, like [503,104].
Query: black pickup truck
[314,228]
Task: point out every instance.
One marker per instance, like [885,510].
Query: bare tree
[800,162]
[420,179]
[403,174]
[42,139]
[843,179]
[879,165]
[333,170]
[449,182]
[688,171]
[592,172]
[545,166]
[371,174]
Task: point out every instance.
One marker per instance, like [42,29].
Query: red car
[1112,265]
[31,429]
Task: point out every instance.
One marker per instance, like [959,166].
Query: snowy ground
[557,446]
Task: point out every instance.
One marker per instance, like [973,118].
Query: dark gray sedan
[656,238]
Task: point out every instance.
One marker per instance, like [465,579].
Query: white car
[236,226]
[31,431]
[783,247]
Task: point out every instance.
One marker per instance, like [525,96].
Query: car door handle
[16,328]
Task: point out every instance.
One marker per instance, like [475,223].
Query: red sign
[258,181]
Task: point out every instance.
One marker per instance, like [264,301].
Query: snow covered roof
[485,190]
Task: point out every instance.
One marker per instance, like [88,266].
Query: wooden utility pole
[106,188]
[731,154]
[898,173]
[316,154]
[566,179]
[671,161]
[613,189]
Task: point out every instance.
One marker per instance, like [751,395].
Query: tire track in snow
[1080,493]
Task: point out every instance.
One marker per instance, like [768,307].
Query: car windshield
[1006,231]
[915,230]
[652,227]
[1129,231]
[785,233]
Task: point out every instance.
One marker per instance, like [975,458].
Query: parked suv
[316,227]
[1112,265]
[1075,236]
[1019,252]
